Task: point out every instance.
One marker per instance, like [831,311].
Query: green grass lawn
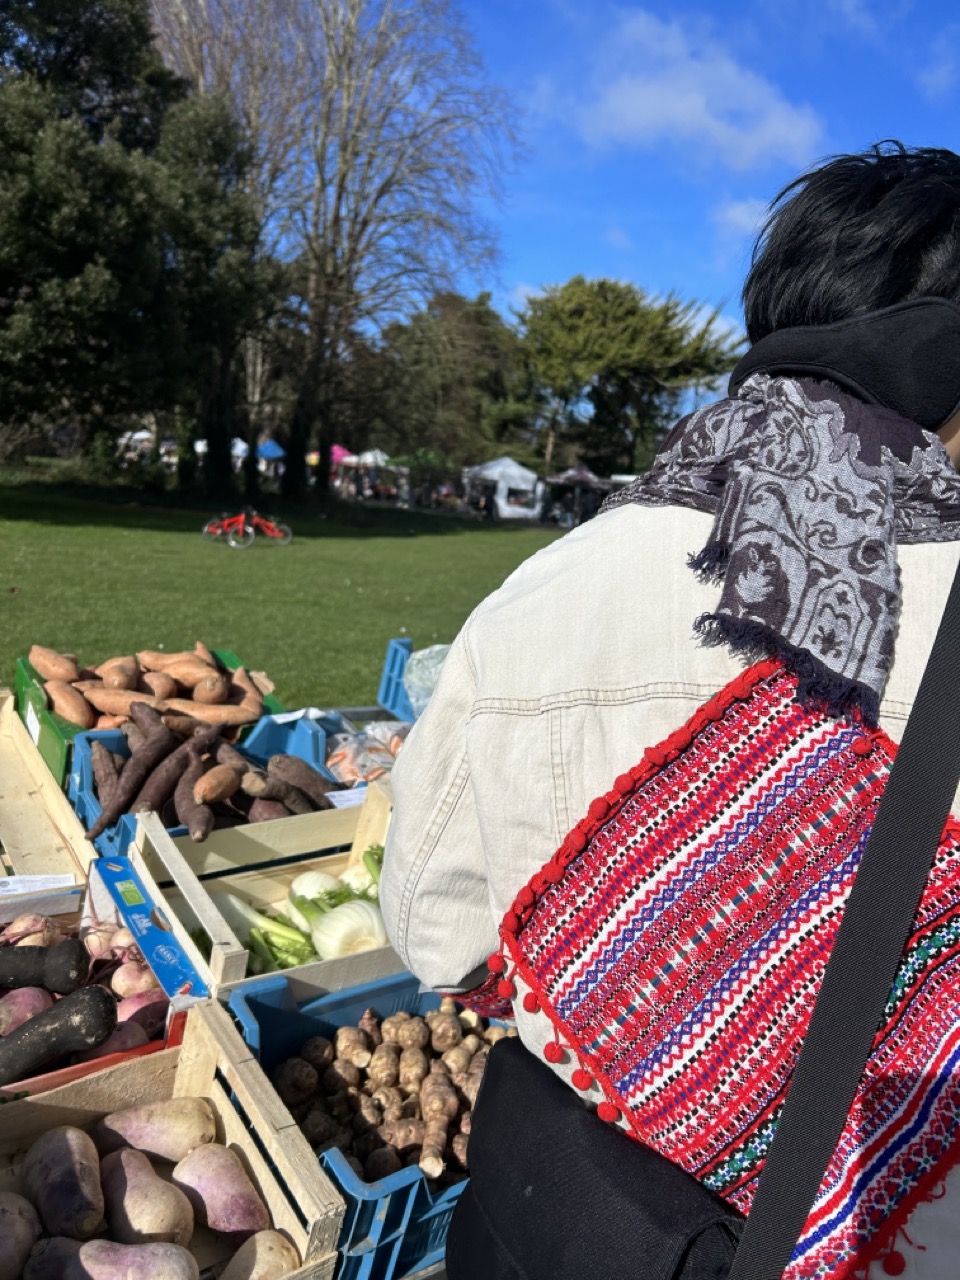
[101,577]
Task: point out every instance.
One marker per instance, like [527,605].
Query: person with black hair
[657,929]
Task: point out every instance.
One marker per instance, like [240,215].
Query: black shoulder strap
[863,964]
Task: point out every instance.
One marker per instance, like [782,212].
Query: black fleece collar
[905,357]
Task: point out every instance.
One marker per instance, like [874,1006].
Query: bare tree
[379,138]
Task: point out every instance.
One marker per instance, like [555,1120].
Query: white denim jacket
[556,685]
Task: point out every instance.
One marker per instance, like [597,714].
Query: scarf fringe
[818,688]
[711,563]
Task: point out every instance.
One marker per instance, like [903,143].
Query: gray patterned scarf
[811,490]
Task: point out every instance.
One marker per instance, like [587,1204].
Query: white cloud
[669,82]
[738,219]
[618,238]
[521,293]
[939,77]
[856,14]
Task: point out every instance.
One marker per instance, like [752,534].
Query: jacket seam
[442,815]
[588,697]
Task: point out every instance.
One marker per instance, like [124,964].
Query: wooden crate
[259,862]
[213,1063]
[39,832]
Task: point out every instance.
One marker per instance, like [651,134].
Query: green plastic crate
[53,736]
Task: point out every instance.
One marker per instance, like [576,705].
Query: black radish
[81,1020]
[61,969]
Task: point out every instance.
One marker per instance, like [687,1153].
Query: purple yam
[18,1007]
[104,1260]
[141,1207]
[167,1130]
[61,1176]
[223,1197]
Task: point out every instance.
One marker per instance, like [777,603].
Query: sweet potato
[144,713]
[189,671]
[146,758]
[19,1231]
[68,702]
[61,1177]
[104,1260]
[166,1130]
[152,660]
[204,654]
[133,734]
[224,714]
[304,777]
[185,726]
[240,678]
[213,688]
[51,665]
[197,818]
[218,783]
[119,673]
[104,772]
[141,1207]
[109,722]
[163,781]
[269,787]
[223,1197]
[117,702]
[158,683]
[265,1256]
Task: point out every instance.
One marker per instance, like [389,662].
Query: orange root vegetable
[109,722]
[218,783]
[223,714]
[68,702]
[212,689]
[197,818]
[159,684]
[390,1026]
[204,654]
[241,680]
[104,772]
[51,665]
[189,671]
[269,787]
[384,1068]
[433,1146]
[413,1069]
[151,660]
[413,1034]
[119,673]
[438,1097]
[117,702]
[370,1024]
[352,1045]
[319,1052]
[302,776]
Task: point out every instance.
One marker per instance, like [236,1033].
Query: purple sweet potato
[223,1197]
[266,1256]
[104,1260]
[149,1010]
[167,1130]
[141,1207]
[49,1257]
[128,1035]
[18,1007]
[61,1176]
[19,1232]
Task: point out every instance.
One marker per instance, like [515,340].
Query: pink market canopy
[339,454]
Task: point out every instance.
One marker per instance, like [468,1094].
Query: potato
[68,702]
[223,1197]
[61,1176]
[104,1260]
[167,1130]
[142,1208]
[265,1256]
[49,1257]
[19,1232]
[50,665]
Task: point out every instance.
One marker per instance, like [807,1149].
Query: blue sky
[656,133]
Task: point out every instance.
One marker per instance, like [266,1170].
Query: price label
[32,721]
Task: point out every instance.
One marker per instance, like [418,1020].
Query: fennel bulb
[360,880]
[345,930]
[278,945]
[310,885]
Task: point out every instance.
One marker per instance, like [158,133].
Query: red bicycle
[241,530]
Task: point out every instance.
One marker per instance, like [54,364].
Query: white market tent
[517,493]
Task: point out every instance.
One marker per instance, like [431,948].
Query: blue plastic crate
[392,693]
[269,736]
[397,1226]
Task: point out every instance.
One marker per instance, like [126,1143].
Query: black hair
[854,234]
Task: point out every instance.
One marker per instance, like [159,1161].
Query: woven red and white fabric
[677,940]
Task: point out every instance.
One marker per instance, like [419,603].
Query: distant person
[633,842]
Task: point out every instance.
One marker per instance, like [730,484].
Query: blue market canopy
[270,451]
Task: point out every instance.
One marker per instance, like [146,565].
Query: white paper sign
[33,884]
